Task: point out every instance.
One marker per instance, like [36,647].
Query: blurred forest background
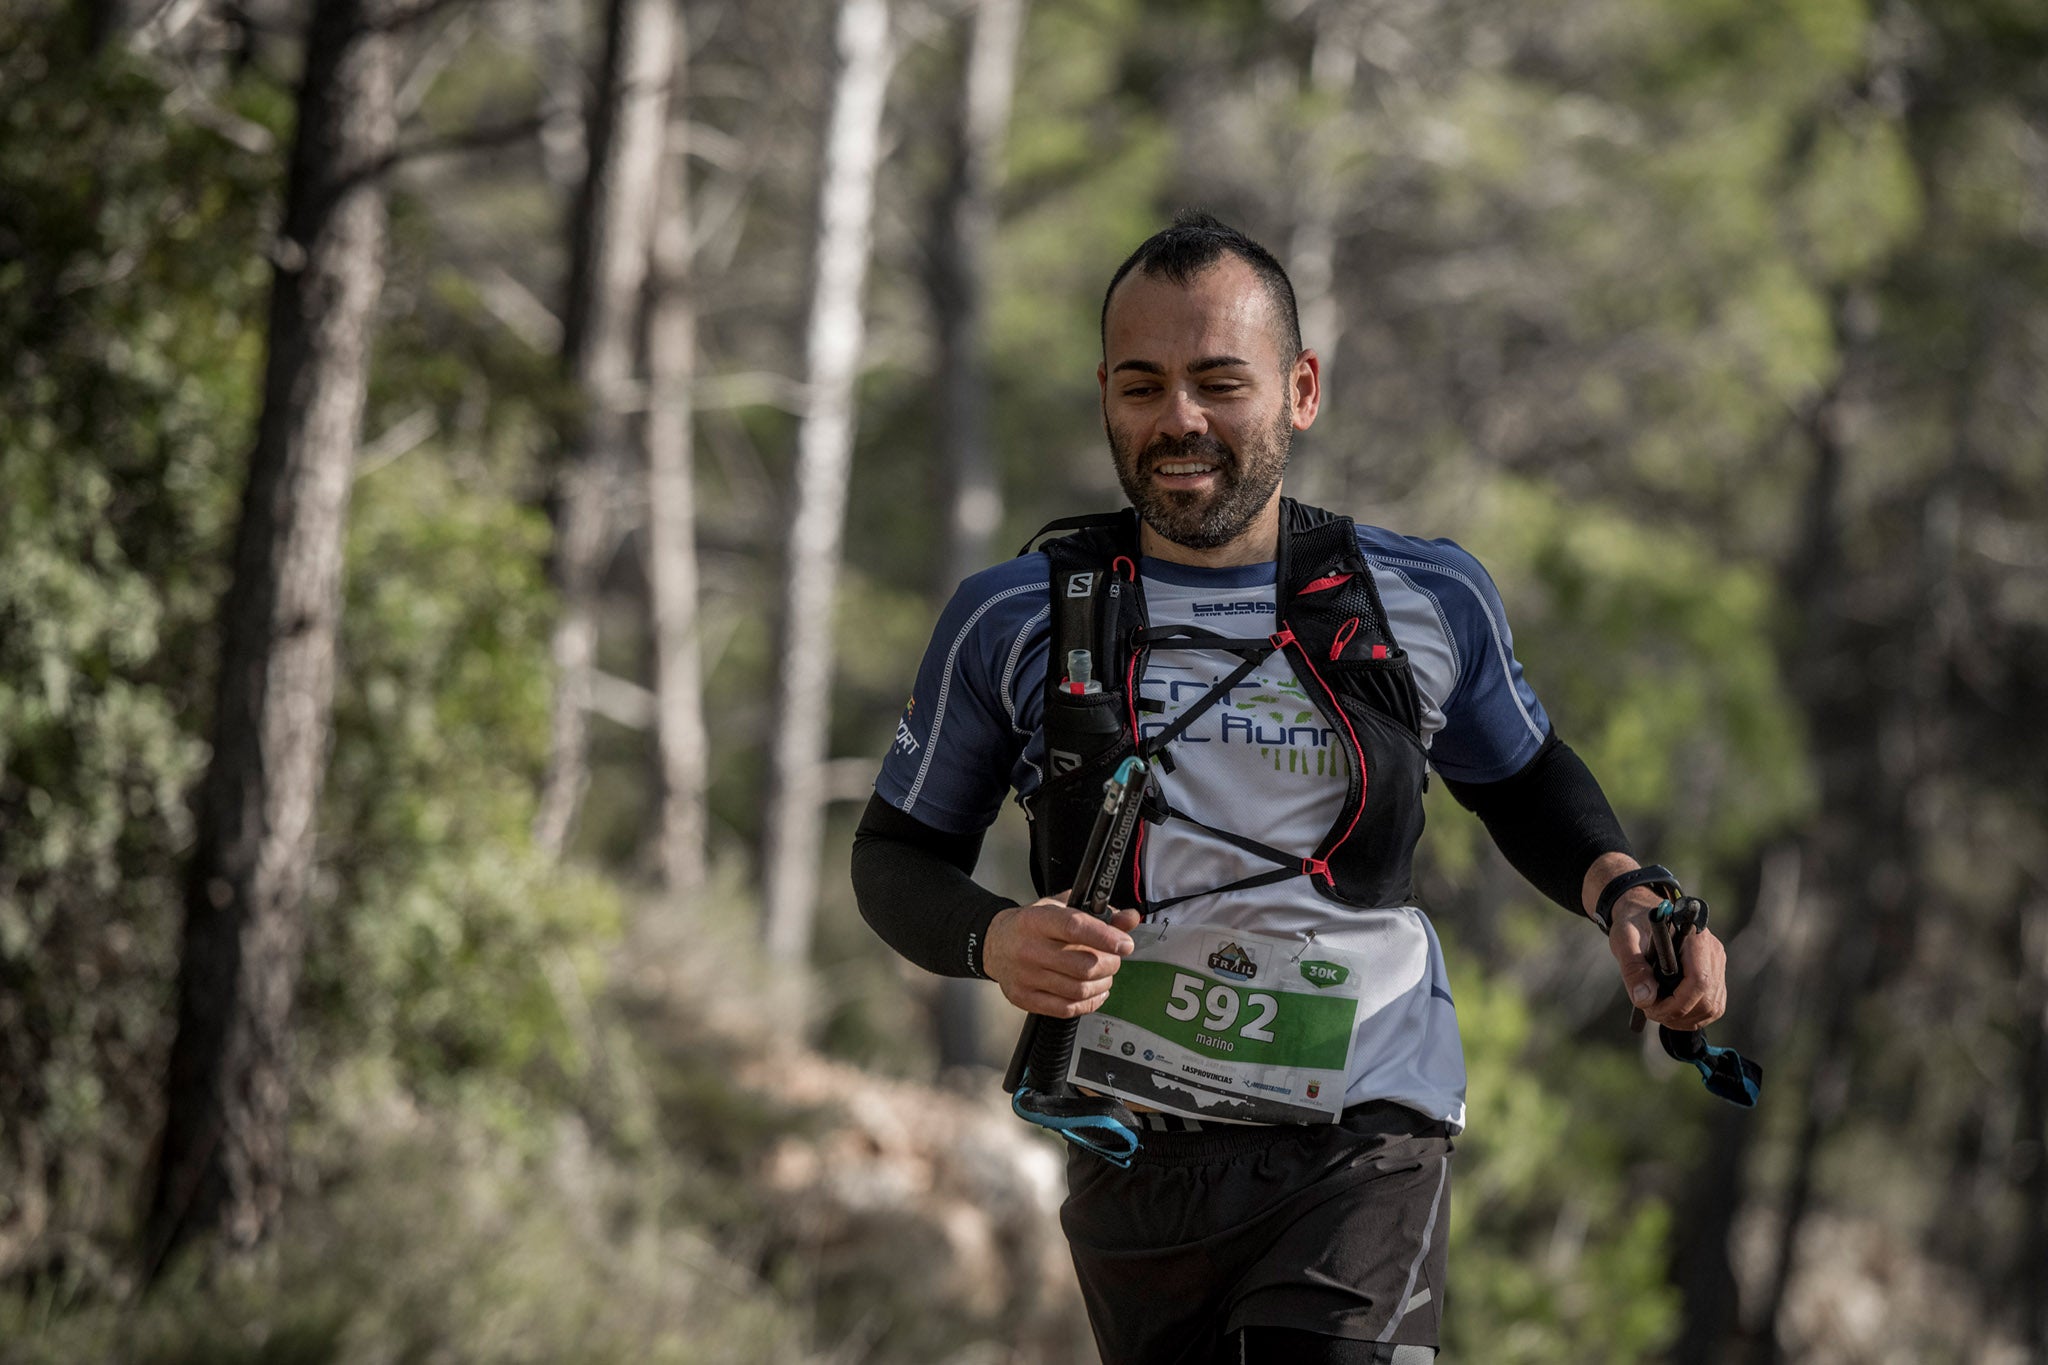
[596,398]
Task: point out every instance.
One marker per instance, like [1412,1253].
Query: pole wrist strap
[1654,876]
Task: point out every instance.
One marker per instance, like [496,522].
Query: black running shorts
[1336,1229]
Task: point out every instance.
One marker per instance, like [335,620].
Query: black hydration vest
[1332,628]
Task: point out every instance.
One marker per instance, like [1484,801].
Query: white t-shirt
[1265,765]
[1265,762]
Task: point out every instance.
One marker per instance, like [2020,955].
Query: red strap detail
[1324,584]
[1134,867]
[1379,651]
[1357,750]
[1281,638]
[1131,570]
[1343,638]
[1317,867]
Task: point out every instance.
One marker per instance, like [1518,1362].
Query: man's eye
[1223,386]
[1140,390]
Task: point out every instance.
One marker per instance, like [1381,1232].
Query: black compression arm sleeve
[914,890]
[1551,820]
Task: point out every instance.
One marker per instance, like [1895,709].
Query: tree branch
[483,138]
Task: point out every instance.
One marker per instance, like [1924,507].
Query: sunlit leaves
[129,312]
[1554,1254]
[446,940]
[1658,661]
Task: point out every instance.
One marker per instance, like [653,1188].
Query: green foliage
[1858,199]
[1555,1254]
[133,296]
[495,398]
[1600,267]
[436,1238]
[1088,166]
[1683,56]
[1657,659]
[445,938]
[129,281]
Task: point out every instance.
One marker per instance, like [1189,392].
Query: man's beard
[1202,521]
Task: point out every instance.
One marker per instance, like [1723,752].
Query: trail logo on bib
[1315,1088]
[1324,974]
[1232,961]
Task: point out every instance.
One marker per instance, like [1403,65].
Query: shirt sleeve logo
[906,742]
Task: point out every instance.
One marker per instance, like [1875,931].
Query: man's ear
[1305,389]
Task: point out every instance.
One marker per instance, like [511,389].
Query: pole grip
[1044,1045]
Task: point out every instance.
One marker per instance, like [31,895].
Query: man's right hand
[1054,960]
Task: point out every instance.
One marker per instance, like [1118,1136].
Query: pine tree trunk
[564,155]
[793,826]
[221,1163]
[2031,1141]
[1322,206]
[1718,1190]
[1322,199]
[610,241]
[1872,742]
[107,22]
[962,239]
[681,745]
[963,232]
[1814,583]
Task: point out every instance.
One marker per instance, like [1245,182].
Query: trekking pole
[1726,1073]
[1036,1078]
[1688,913]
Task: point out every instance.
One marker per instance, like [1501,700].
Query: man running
[1286,672]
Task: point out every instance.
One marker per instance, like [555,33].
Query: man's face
[1200,404]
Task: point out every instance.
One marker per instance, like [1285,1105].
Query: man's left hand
[1700,997]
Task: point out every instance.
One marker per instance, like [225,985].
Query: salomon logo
[1064,762]
[1080,585]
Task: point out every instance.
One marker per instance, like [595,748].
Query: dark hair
[1196,241]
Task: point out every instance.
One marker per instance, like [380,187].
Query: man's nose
[1184,414]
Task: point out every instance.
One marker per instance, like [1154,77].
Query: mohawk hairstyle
[1196,241]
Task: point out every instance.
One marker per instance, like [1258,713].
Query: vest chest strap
[1254,652]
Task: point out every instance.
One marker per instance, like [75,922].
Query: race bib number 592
[1225,1024]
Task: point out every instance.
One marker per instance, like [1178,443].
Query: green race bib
[1220,1023]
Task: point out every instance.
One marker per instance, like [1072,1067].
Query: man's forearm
[913,886]
[1553,824]
[1605,869]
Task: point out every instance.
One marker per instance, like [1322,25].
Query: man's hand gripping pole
[1036,1078]
[1727,1073]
